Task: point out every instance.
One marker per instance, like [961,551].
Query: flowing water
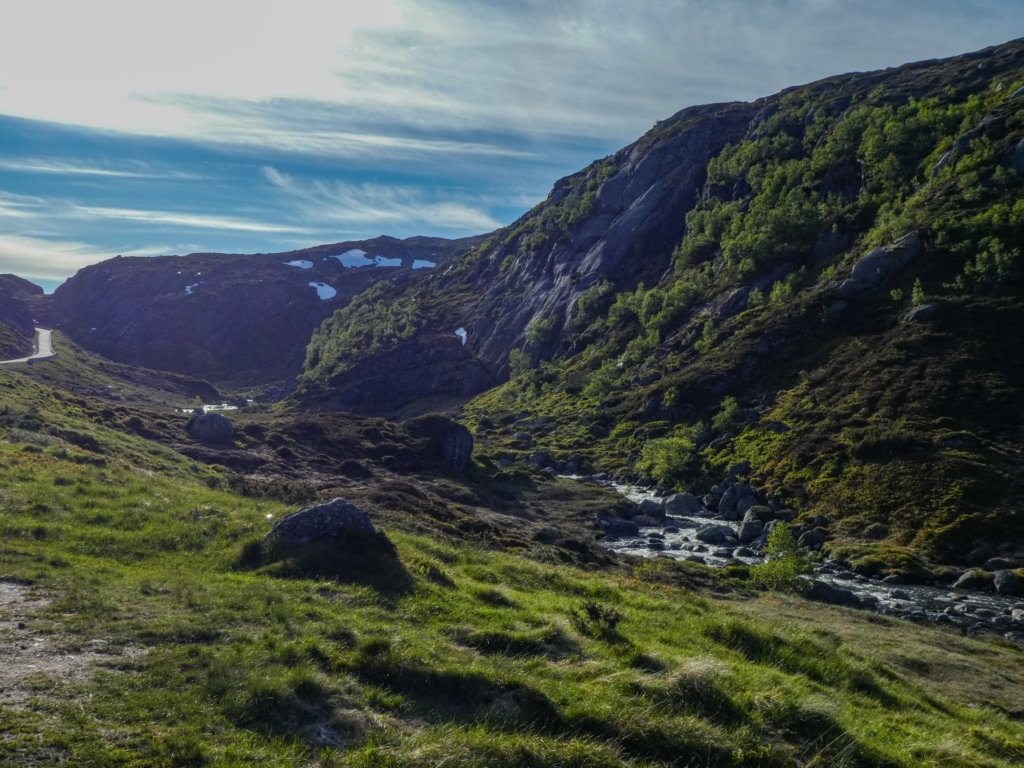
[675,538]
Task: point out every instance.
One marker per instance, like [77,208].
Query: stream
[675,537]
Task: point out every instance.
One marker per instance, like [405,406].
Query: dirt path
[31,662]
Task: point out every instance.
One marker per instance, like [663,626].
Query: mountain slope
[226,317]
[19,301]
[819,283]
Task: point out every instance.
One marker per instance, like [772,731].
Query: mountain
[818,285]
[241,319]
[19,302]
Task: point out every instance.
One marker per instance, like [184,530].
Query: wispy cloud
[182,219]
[68,168]
[376,205]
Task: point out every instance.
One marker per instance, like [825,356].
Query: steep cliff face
[819,286]
[19,302]
[229,318]
[619,219]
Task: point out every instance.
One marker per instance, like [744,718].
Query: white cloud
[375,205]
[180,219]
[405,75]
[79,168]
[39,258]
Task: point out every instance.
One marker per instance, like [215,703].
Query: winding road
[44,348]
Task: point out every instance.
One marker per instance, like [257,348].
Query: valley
[712,458]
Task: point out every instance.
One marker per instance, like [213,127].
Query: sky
[138,127]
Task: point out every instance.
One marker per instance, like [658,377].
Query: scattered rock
[922,313]
[645,520]
[876,531]
[214,428]
[894,579]
[813,538]
[616,526]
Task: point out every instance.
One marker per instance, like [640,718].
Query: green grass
[480,659]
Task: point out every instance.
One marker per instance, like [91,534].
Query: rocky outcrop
[443,440]
[879,266]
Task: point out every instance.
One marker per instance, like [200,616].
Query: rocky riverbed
[732,526]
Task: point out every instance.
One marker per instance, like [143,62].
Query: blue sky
[138,127]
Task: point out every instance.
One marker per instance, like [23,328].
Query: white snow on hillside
[354,258]
[423,264]
[324,291]
[461,333]
[359,258]
[300,263]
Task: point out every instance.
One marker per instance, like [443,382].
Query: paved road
[44,348]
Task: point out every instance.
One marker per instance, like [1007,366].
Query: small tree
[917,297]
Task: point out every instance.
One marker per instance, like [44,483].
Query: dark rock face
[444,439]
[879,266]
[19,300]
[224,317]
[639,200]
[331,520]
[211,428]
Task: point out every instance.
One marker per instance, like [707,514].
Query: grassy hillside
[133,634]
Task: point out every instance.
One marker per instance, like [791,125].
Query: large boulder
[336,519]
[974,579]
[1009,582]
[652,508]
[444,439]
[683,504]
[714,534]
[617,527]
[211,428]
[750,530]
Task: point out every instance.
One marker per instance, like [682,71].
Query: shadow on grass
[369,560]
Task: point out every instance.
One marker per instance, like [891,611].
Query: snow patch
[324,291]
[190,288]
[354,258]
[300,263]
[423,264]
[461,333]
[359,258]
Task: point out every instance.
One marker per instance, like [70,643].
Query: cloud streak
[376,205]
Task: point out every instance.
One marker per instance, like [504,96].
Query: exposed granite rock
[876,268]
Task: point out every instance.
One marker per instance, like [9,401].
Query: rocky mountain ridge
[240,319]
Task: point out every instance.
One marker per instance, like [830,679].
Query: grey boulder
[683,504]
[334,519]
[211,428]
